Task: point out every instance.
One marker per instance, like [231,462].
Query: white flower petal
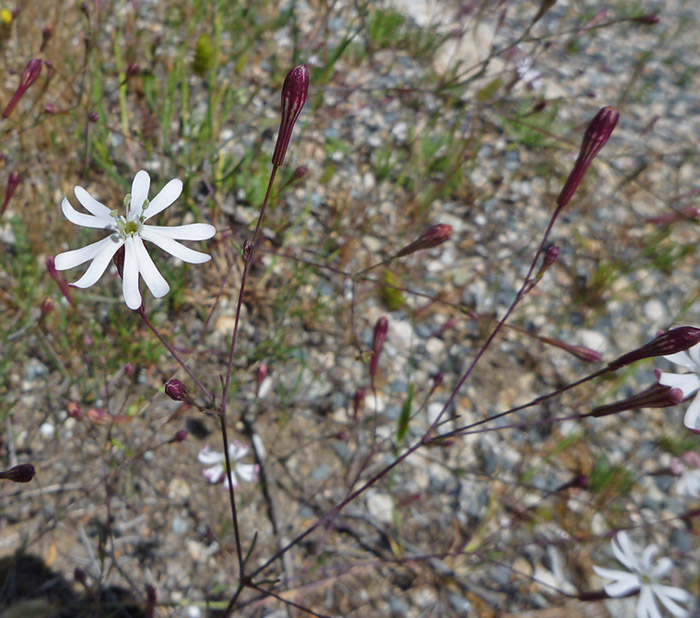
[663,567]
[694,354]
[623,587]
[76,257]
[173,247]
[625,552]
[154,280]
[668,595]
[213,474]
[78,218]
[192,231]
[648,557]
[687,382]
[101,261]
[237,450]
[646,606]
[234,479]
[139,193]
[130,285]
[209,457]
[91,204]
[682,359]
[248,472]
[692,415]
[167,195]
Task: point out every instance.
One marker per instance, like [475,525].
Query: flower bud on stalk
[12,183]
[64,287]
[176,390]
[656,396]
[432,237]
[29,76]
[597,134]
[550,256]
[664,344]
[380,331]
[23,473]
[294,91]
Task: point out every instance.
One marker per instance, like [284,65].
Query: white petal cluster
[689,383]
[217,461]
[643,575]
[129,231]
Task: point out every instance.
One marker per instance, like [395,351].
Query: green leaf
[405,416]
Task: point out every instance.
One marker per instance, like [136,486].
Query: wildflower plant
[470,426]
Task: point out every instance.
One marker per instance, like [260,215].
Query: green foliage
[392,297]
[204,56]
[610,478]
[405,416]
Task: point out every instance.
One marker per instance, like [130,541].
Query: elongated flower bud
[432,237]
[12,182]
[550,256]
[64,287]
[176,390]
[656,396]
[597,134]
[23,473]
[29,76]
[294,91]
[669,342]
[380,331]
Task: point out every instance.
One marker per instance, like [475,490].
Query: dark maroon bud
[175,390]
[132,69]
[93,117]
[12,183]
[648,20]
[656,396]
[550,256]
[432,237]
[180,436]
[50,108]
[151,600]
[579,351]
[539,106]
[597,134]
[47,306]
[63,286]
[45,36]
[298,174]
[438,379]
[381,328]
[294,92]
[582,481]
[129,369]
[665,343]
[29,76]
[23,473]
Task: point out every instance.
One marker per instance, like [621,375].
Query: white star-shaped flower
[643,576]
[689,383]
[129,231]
[217,461]
[687,467]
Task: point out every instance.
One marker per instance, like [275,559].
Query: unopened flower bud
[438,379]
[47,306]
[23,473]
[45,36]
[12,182]
[586,354]
[432,237]
[550,256]
[664,344]
[656,396]
[50,108]
[294,92]
[93,117]
[381,329]
[298,174]
[80,576]
[129,369]
[180,436]
[74,410]
[176,390]
[29,76]
[357,401]
[597,134]
[63,286]
[649,19]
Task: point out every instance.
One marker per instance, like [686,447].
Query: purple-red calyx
[176,390]
[294,92]
[63,286]
[665,343]
[23,473]
[381,328]
[29,76]
[432,237]
[12,183]
[596,136]
[656,396]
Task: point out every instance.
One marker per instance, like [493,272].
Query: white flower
[689,383]
[643,576]
[217,461]
[129,231]
[687,467]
